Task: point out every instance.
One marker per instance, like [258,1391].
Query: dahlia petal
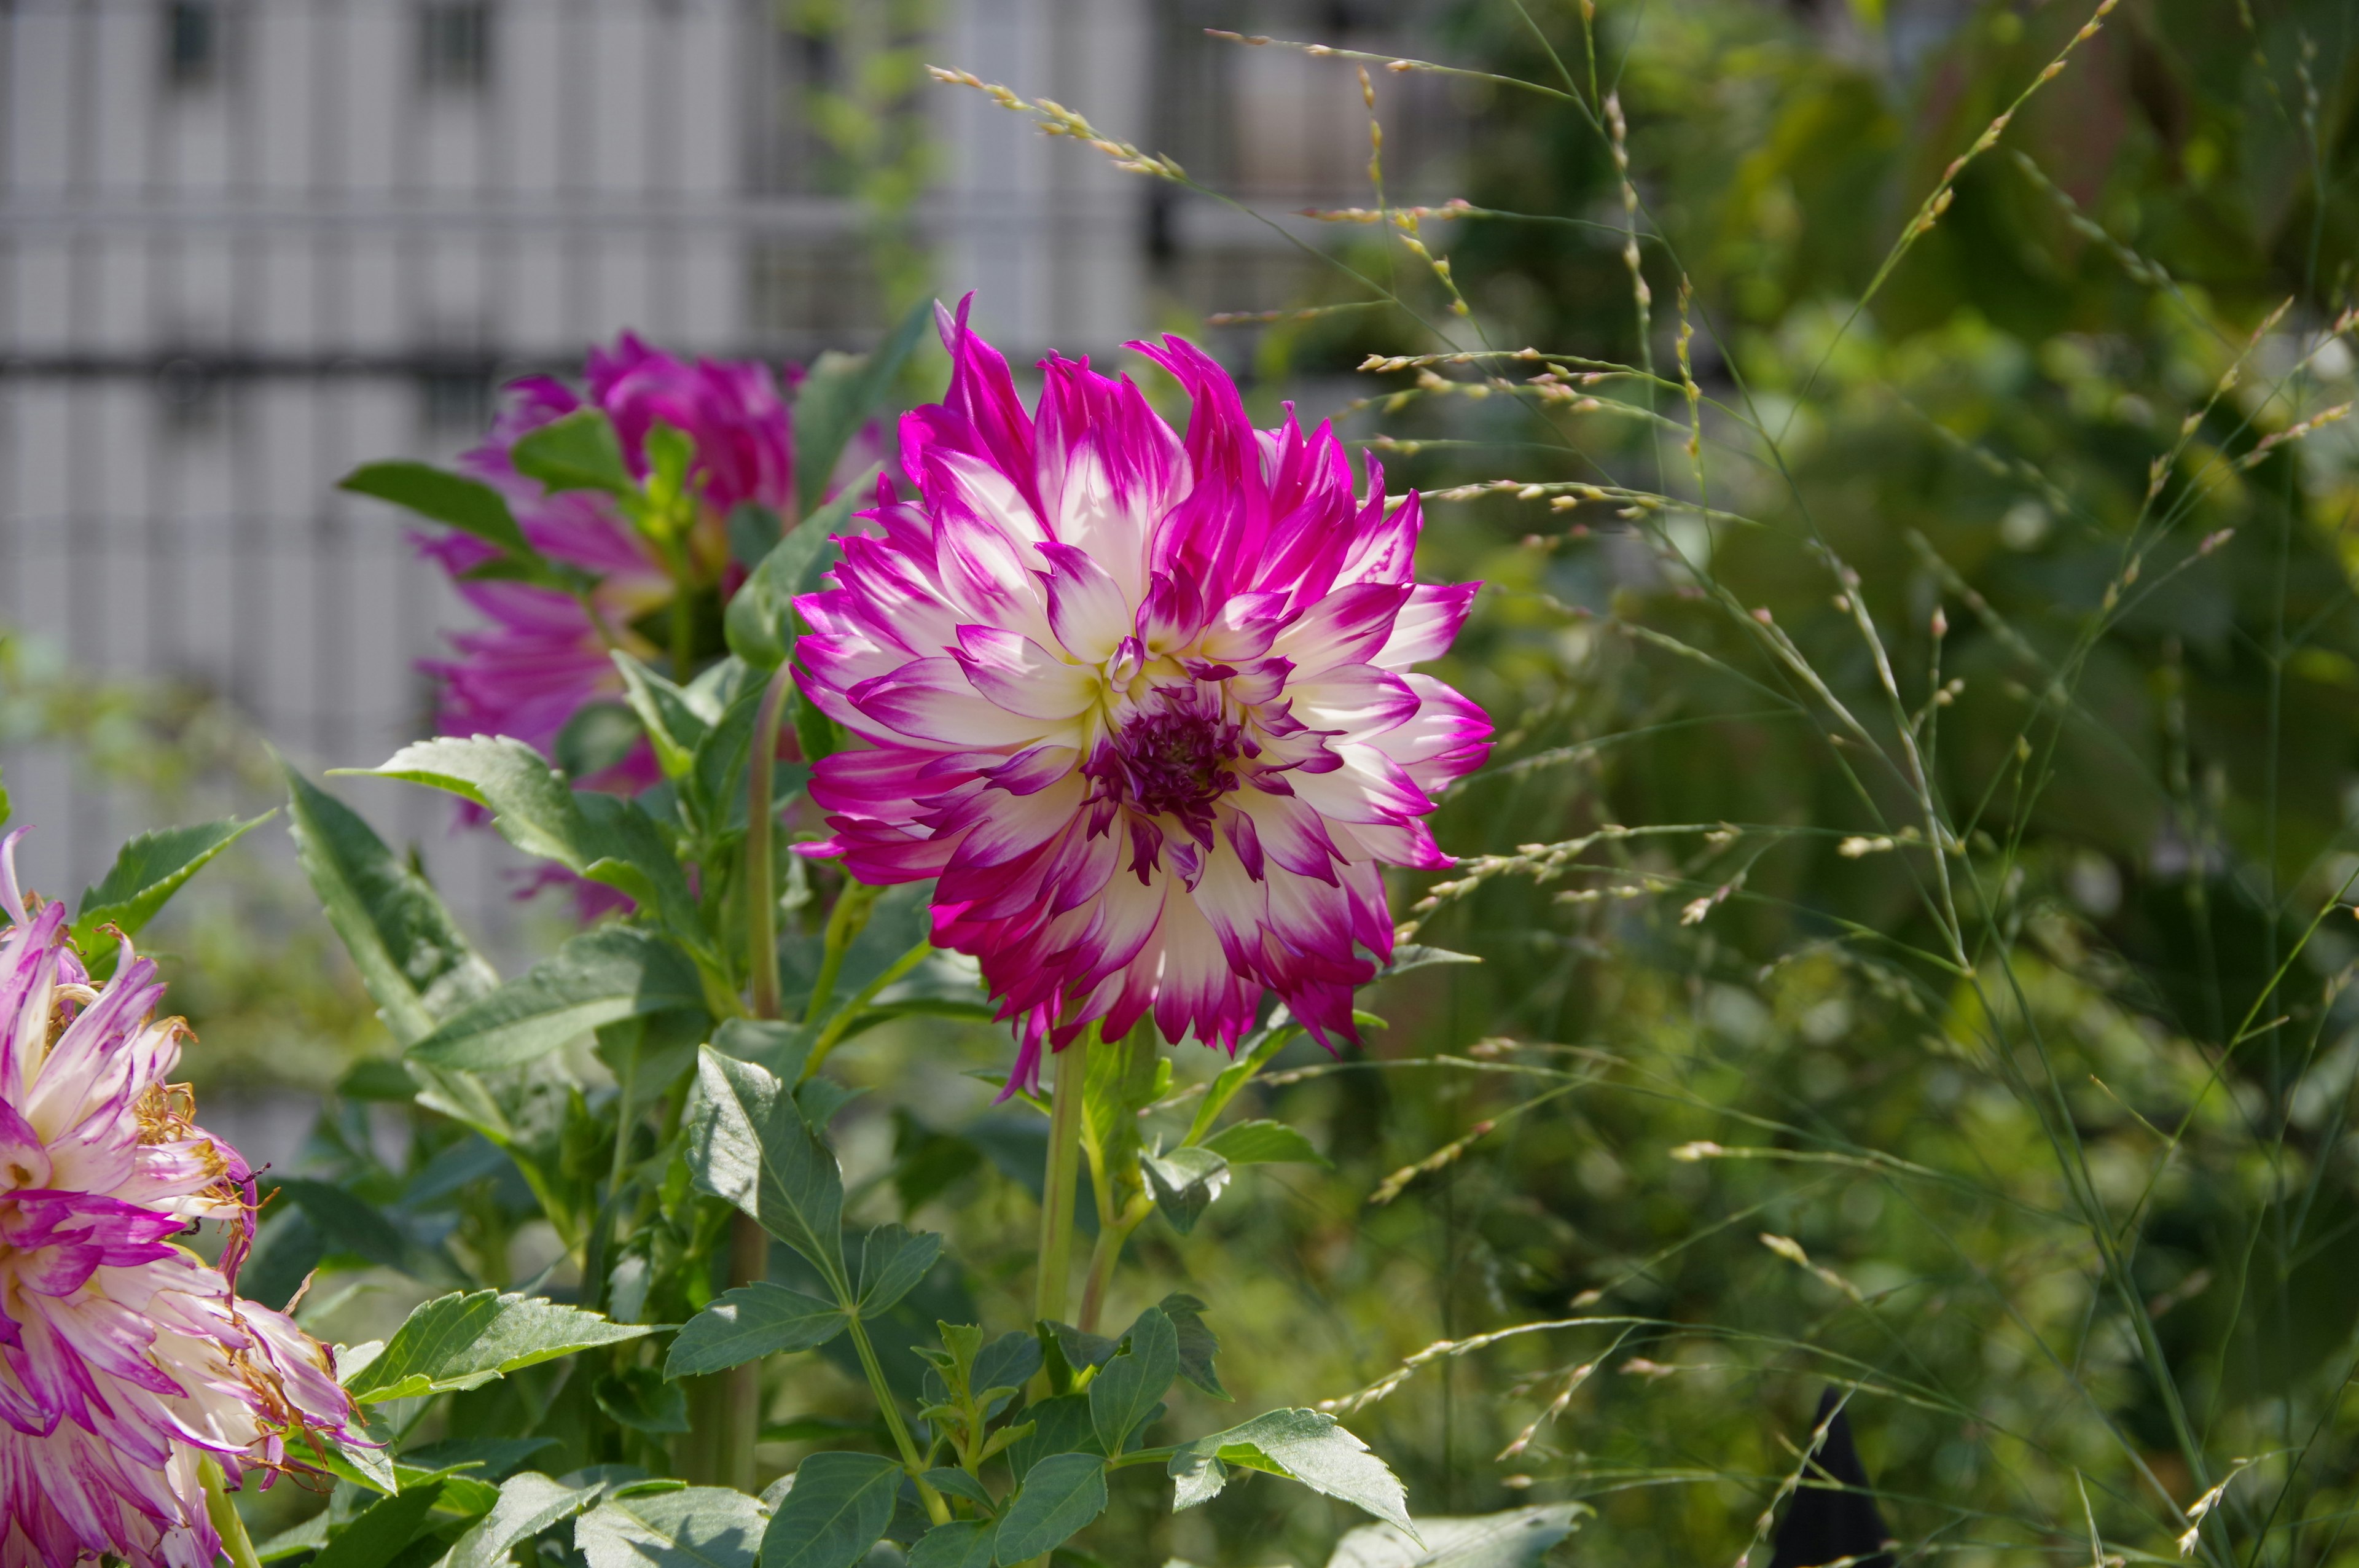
[932,701]
[1022,677]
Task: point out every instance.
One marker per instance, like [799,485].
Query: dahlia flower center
[1170,758]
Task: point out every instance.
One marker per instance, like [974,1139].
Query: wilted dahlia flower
[542,658]
[1144,706]
[125,1361]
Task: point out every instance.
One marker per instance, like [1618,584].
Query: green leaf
[309,1536]
[600,837]
[760,621]
[529,1504]
[1185,1181]
[484,1458]
[349,1223]
[1255,1054]
[961,1543]
[1197,1343]
[598,737]
[464,1341]
[838,1509]
[839,396]
[958,1483]
[1411,955]
[1519,1538]
[1265,1144]
[1061,1496]
[640,1399]
[1304,1445]
[755,531]
[411,954]
[892,1261]
[598,977]
[579,451]
[778,1049]
[378,1532]
[1128,1387]
[1060,1425]
[469,505]
[749,1145]
[750,1322]
[149,870]
[1008,1362]
[675,721]
[696,1527]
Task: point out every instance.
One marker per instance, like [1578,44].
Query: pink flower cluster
[1143,705]
[125,1361]
[545,653]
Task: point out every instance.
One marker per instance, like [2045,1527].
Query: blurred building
[246,245]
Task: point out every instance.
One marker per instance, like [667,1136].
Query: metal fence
[248,245]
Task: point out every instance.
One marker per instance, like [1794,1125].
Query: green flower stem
[761,872]
[236,1545]
[832,1035]
[1112,1235]
[845,921]
[936,1509]
[1056,1264]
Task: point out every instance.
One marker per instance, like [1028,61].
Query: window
[454,44]
[193,43]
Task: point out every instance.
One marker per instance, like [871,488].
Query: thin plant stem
[1057,1195]
[236,1545]
[761,867]
[1113,1234]
[936,1508]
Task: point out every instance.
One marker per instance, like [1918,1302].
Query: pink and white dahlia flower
[543,655]
[1144,706]
[125,1359]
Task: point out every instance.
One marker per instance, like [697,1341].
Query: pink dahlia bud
[125,1359]
[1142,706]
[542,656]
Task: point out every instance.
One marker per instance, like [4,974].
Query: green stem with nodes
[236,1545]
[1056,1265]
[726,1419]
[936,1509]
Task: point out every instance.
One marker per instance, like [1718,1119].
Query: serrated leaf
[346,1222]
[675,722]
[1197,1343]
[469,505]
[148,871]
[1307,1446]
[1008,1362]
[529,1504]
[638,1398]
[748,1323]
[838,1509]
[577,451]
[1059,1425]
[602,836]
[598,977]
[1265,1144]
[1519,1538]
[961,1543]
[892,1261]
[1130,1386]
[759,622]
[378,1532]
[749,1145]
[598,736]
[1185,1181]
[463,1341]
[1252,1057]
[414,962]
[839,395]
[695,1526]
[958,1483]
[1061,1496]
[484,1458]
